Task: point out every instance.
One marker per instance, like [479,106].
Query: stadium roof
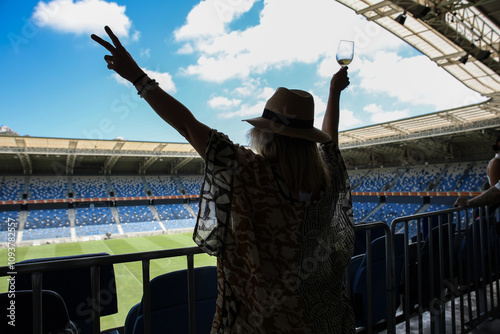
[461,36]
[465,119]
[43,145]
[27,155]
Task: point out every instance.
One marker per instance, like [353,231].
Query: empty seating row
[56,223]
[452,177]
[440,177]
[452,260]
[52,187]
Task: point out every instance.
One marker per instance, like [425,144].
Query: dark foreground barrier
[435,272]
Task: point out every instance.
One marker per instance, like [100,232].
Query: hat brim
[312,134]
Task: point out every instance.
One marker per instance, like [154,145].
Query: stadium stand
[137,219]
[46,224]
[90,187]
[163,186]
[376,179]
[128,186]
[473,178]
[191,184]
[93,221]
[11,188]
[47,187]
[416,178]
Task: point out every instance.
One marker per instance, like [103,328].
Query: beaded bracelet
[150,85]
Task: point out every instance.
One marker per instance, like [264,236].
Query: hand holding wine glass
[345,52]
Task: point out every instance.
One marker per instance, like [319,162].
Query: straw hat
[290,112]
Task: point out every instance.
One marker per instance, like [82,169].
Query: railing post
[390,285]
[191,296]
[146,296]
[95,279]
[369,287]
[36,283]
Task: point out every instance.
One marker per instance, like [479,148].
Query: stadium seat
[360,239]
[478,248]
[78,300]
[435,263]
[169,303]
[378,283]
[55,317]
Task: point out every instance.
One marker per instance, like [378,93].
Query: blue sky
[221,58]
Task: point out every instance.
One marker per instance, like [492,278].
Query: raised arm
[168,108]
[490,196]
[339,82]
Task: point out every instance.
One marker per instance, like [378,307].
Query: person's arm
[494,172]
[339,82]
[168,108]
[490,196]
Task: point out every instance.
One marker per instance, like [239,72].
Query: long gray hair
[298,160]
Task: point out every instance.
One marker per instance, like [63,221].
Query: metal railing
[36,271]
[456,269]
[451,269]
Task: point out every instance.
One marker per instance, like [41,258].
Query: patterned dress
[280,261]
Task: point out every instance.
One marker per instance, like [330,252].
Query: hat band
[290,122]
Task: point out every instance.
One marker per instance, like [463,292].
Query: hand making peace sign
[120,60]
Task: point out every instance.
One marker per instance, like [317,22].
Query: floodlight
[421,11]
[401,18]
[464,59]
[482,55]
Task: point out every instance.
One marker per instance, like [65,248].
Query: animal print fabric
[280,261]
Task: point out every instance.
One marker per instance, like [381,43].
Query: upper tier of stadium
[462,37]
[461,134]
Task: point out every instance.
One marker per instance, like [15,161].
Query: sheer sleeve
[214,213]
[334,162]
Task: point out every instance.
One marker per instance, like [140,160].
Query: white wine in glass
[345,52]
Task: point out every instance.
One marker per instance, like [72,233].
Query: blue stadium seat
[78,300]
[48,187]
[126,186]
[379,281]
[89,187]
[169,303]
[436,272]
[478,248]
[55,317]
[11,188]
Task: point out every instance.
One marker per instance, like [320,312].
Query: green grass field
[128,275]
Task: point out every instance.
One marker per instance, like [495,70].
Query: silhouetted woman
[279,221]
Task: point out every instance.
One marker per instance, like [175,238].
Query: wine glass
[345,52]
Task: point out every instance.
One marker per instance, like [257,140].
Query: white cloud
[256,97]
[289,31]
[347,117]
[83,17]
[221,102]
[164,80]
[415,81]
[246,111]
[211,17]
[378,115]
[187,48]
